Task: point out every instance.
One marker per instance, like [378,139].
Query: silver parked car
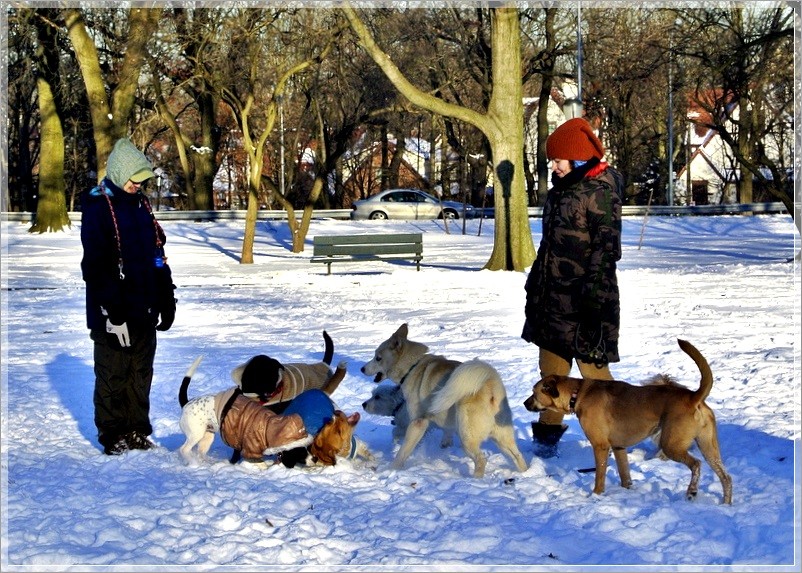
[408,204]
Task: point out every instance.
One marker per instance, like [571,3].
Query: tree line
[251,88]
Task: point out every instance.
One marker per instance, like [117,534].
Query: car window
[392,197]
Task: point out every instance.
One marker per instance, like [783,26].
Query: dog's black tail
[329,352]
[704,369]
[182,392]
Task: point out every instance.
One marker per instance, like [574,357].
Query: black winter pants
[122,384]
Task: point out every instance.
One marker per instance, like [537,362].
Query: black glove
[165,298]
[167,316]
[589,339]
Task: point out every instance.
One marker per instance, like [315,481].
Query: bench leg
[328,265]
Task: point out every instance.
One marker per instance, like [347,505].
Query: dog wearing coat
[468,397]
[243,424]
[616,415]
[276,384]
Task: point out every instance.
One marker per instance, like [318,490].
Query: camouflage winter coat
[573,279]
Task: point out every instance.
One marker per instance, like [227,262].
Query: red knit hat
[574,139]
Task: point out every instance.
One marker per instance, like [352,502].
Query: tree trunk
[51,209]
[513,249]
[206,163]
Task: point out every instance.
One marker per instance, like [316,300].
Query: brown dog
[335,439]
[617,415]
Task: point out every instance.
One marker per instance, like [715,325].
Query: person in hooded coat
[129,296]
[572,302]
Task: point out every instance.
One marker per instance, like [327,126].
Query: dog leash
[160,236]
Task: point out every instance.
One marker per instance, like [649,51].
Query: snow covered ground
[723,282]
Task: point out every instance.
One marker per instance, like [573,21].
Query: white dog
[243,424]
[388,400]
[468,397]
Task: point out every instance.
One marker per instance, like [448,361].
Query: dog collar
[397,408]
[404,377]
[352,454]
[572,402]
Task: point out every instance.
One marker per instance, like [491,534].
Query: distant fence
[627,210]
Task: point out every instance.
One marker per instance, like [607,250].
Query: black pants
[122,384]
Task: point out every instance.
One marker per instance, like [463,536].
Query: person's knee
[591,370]
[551,363]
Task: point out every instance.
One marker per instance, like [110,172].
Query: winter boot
[546,437]
[113,446]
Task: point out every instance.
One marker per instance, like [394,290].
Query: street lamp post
[579,51]
[572,108]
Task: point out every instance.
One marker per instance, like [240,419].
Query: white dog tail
[466,380]
[182,392]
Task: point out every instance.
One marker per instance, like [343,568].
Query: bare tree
[23,117]
[185,98]
[254,87]
[501,123]
[745,59]
[111,103]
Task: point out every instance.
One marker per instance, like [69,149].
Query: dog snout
[531,404]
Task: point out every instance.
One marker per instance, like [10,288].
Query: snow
[728,284]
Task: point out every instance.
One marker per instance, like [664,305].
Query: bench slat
[368,249]
[368,239]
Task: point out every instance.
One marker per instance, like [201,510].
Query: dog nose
[362,370]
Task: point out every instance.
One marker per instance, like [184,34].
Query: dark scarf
[574,176]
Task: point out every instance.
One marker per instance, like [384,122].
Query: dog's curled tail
[182,392]
[704,369]
[466,380]
[328,353]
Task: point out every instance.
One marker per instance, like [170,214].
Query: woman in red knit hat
[572,303]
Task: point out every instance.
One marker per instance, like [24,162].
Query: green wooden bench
[355,248]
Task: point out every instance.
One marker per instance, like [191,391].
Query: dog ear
[550,386]
[552,391]
[399,336]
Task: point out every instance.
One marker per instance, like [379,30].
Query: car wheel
[449,214]
[378,216]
